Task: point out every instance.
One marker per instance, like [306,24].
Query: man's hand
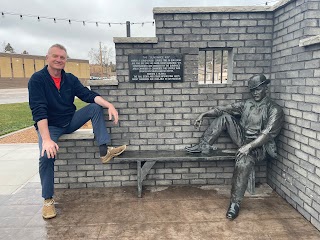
[50,147]
[113,113]
[198,121]
[243,151]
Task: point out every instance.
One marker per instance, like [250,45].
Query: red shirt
[57,81]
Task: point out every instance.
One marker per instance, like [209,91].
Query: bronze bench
[146,160]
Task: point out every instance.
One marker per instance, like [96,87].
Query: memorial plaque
[156,68]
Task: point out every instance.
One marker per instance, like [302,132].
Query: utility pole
[128,29]
[101,74]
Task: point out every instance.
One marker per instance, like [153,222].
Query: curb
[12,133]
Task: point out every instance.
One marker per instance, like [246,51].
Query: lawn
[16,116]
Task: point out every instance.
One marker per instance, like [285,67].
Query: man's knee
[226,116]
[244,162]
[95,106]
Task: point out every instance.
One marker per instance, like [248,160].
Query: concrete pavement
[16,95]
[18,166]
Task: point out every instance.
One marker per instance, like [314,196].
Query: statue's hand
[198,121]
[243,151]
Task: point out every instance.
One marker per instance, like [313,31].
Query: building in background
[16,69]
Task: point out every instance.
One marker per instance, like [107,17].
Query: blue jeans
[92,112]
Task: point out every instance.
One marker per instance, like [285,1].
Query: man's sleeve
[37,100]
[275,122]
[83,92]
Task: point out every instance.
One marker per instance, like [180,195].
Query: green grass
[16,116]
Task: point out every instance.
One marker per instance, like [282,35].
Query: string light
[266,3]
[84,22]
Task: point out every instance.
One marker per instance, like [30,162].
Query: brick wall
[159,116]
[295,75]
[78,166]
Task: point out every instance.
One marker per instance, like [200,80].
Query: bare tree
[103,56]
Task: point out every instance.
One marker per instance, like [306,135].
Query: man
[261,121]
[51,96]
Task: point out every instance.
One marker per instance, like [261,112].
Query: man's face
[56,58]
[259,93]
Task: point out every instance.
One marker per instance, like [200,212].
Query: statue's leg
[225,122]
[240,178]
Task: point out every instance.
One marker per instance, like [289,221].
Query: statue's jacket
[264,117]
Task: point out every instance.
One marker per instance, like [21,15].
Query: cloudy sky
[36,36]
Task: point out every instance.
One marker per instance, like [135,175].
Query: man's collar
[264,101]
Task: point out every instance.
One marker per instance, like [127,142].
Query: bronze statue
[261,121]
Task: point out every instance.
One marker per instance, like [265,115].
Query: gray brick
[120,178]
[85,167]
[85,179]
[230,23]
[103,179]
[77,185]
[180,182]
[76,174]
[128,183]
[67,156]
[68,180]
[172,176]
[194,23]
[198,181]
[163,171]
[189,176]
[163,182]
[95,184]
[67,168]
[112,184]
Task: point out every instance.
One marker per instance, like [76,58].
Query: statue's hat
[257,80]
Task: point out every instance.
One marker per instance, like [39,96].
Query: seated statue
[261,121]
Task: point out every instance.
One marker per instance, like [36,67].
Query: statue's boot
[193,149]
[233,211]
[202,147]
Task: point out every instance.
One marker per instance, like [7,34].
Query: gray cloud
[36,36]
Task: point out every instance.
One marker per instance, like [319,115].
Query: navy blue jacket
[47,102]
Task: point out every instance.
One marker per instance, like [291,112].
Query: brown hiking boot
[48,210]
[112,152]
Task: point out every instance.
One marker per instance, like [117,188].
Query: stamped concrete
[162,213]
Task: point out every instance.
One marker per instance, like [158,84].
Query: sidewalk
[16,95]
[18,165]
[164,213]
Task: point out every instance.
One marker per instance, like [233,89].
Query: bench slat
[179,155]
